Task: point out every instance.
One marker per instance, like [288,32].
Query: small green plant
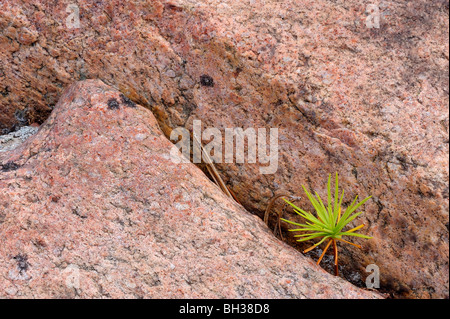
[329,223]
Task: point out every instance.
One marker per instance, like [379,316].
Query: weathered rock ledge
[92,206]
[15,139]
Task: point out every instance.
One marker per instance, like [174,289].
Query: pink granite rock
[371,104]
[94,207]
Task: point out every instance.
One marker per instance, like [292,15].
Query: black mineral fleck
[9,167]
[206,80]
[127,101]
[113,104]
[22,262]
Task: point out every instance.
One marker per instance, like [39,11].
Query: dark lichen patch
[206,80]
[22,117]
[127,101]
[113,104]
[22,262]
[5,92]
[9,167]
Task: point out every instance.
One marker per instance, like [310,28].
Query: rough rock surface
[371,104]
[13,140]
[93,206]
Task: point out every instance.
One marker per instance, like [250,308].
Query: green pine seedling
[329,223]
